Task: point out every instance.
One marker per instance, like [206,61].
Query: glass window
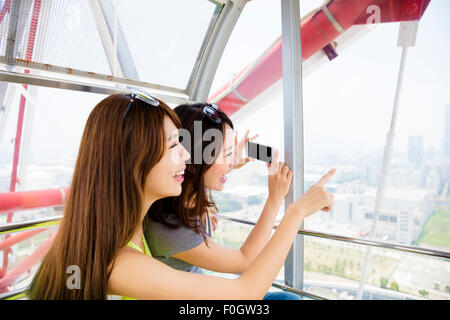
[347,107]
[346,123]
[165,37]
[257,28]
[151,41]
[21,251]
[53,124]
[332,269]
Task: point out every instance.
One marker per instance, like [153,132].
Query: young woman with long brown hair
[125,162]
[130,157]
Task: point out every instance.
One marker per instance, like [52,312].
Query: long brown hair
[194,183]
[104,204]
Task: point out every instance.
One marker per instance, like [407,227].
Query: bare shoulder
[138,276]
[128,264]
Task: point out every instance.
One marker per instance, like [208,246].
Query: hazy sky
[347,102]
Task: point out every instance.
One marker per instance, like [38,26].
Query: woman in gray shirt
[178,229]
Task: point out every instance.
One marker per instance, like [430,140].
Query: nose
[184,154]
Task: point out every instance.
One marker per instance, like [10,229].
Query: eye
[176,141]
[229,154]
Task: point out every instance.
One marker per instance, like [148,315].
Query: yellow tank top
[146,248]
[146,252]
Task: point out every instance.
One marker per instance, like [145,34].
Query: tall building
[403,213]
[405,226]
[415,150]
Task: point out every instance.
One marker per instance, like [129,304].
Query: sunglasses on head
[143,96]
[212,112]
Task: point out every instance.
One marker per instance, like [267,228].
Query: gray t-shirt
[165,242]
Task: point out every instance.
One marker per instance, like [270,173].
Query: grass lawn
[436,231]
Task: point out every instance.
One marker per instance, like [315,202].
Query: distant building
[345,208]
[407,176]
[387,222]
[405,226]
[415,150]
[430,154]
[431,178]
[371,174]
[403,214]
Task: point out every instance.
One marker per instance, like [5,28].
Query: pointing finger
[326,177]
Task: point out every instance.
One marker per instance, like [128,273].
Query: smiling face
[215,177]
[165,178]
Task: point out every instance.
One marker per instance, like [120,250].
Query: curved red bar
[23,200]
[317,32]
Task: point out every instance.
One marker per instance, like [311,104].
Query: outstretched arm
[222,259]
[279,181]
[138,276]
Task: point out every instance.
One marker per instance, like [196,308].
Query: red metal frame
[24,200]
[29,56]
[5,9]
[317,32]
[16,201]
[18,238]
[26,265]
